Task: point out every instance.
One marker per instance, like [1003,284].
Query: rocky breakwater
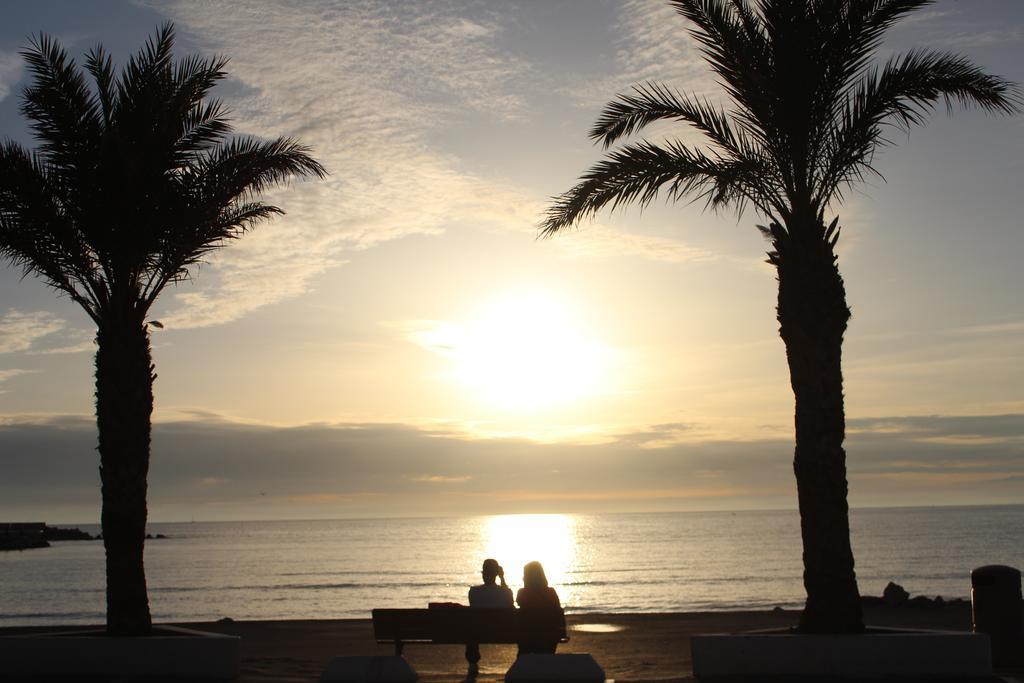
[28,535]
[896,595]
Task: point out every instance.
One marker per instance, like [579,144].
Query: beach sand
[630,647]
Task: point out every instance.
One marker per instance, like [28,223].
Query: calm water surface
[597,563]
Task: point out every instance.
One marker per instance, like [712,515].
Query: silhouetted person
[487,594]
[537,600]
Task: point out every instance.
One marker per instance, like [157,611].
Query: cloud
[438,479]
[10,72]
[602,241]
[19,330]
[922,17]
[42,333]
[1008,327]
[218,468]
[660,436]
[994,36]
[385,78]
[653,44]
[8,374]
[991,428]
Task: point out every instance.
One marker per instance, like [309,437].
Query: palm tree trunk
[812,314]
[124,406]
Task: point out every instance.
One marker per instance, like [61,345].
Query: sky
[402,343]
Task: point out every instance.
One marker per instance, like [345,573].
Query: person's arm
[519,597]
[554,598]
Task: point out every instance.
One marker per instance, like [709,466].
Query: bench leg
[398,648]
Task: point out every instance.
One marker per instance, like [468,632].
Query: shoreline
[629,646]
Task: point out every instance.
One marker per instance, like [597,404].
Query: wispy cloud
[42,333]
[1012,327]
[652,45]
[993,36]
[441,479]
[10,72]
[8,374]
[603,241]
[365,84]
[19,330]
[927,16]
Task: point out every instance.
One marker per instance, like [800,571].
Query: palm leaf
[903,94]
[637,173]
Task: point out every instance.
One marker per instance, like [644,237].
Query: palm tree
[807,110]
[135,180]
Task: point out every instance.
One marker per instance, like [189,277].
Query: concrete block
[171,652]
[877,653]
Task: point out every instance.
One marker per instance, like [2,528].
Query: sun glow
[514,540]
[526,351]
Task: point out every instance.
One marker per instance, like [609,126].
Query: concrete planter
[877,653]
[171,652]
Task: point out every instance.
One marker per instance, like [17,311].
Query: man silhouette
[488,594]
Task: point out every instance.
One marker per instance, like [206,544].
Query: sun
[528,350]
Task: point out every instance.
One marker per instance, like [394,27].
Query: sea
[660,562]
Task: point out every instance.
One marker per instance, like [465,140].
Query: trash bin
[996,607]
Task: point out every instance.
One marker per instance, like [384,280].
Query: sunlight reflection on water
[599,564]
[552,540]
[598,628]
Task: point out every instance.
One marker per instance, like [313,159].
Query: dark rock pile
[55,533]
[895,595]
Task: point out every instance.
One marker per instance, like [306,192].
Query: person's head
[492,570]
[533,576]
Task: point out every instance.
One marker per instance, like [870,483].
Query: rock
[225,620]
[895,595]
[54,533]
[160,536]
[777,610]
[920,602]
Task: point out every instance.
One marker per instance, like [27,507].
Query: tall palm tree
[136,178]
[807,110]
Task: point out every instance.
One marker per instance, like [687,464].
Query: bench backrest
[468,625]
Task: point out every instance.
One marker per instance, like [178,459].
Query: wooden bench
[466,625]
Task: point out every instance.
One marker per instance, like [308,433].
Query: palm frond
[749,19]
[653,102]
[196,238]
[37,234]
[101,66]
[247,166]
[738,56]
[903,94]
[637,173]
[59,106]
[133,182]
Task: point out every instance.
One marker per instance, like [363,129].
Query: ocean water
[598,563]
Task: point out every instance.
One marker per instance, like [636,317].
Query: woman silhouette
[538,602]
